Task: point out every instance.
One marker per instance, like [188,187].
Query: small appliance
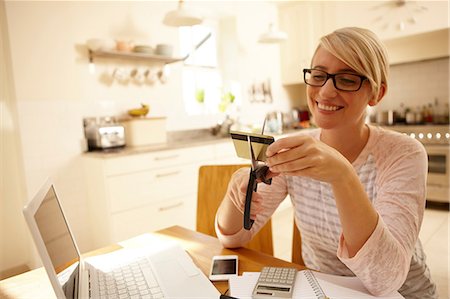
[103,133]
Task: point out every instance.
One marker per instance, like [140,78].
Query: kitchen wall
[54,89]
[416,84]
[14,253]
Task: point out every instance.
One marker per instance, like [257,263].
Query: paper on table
[242,286]
[333,286]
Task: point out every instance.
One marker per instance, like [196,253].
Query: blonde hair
[361,50]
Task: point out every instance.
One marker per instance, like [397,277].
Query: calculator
[275,282]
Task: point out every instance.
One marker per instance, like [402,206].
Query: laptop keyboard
[133,280]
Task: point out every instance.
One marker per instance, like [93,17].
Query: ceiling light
[182,17]
[272,36]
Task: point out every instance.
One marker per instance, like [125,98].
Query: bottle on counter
[426,114]
[446,114]
[418,116]
[440,112]
[429,119]
[436,111]
[401,115]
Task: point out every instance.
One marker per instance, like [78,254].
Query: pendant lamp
[182,16]
[272,36]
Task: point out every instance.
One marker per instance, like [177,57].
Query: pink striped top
[392,168]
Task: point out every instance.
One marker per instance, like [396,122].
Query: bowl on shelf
[124,46]
[143,49]
[164,49]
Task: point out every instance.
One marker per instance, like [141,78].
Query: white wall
[54,89]
[13,233]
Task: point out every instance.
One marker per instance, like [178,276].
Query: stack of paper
[333,286]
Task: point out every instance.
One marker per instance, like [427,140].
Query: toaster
[103,133]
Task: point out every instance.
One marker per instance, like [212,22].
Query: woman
[358,191]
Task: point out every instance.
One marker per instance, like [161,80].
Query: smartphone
[259,144]
[223,267]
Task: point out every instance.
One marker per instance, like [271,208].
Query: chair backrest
[297,246]
[212,186]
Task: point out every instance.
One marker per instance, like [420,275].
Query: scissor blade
[263,126]
[252,154]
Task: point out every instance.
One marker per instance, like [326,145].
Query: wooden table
[201,247]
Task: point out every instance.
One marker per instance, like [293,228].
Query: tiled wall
[417,84]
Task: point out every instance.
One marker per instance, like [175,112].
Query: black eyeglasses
[341,81]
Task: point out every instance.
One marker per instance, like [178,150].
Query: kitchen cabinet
[138,193]
[303,22]
[388,19]
[418,47]
[306,21]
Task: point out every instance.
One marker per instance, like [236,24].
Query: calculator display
[273,288]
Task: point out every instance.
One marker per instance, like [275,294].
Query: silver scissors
[257,172]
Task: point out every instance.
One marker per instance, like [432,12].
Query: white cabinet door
[134,194]
[149,187]
[155,160]
[176,211]
[303,22]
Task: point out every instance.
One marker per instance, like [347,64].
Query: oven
[438,172]
[436,140]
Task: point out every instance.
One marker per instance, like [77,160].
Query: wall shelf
[134,56]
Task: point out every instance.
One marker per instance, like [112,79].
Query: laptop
[164,270]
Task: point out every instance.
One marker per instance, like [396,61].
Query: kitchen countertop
[133,150]
[175,140]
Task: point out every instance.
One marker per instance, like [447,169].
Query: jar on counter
[410,117]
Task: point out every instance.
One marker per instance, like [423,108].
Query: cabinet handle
[175,205]
[160,175]
[166,157]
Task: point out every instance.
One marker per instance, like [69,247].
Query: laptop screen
[59,243]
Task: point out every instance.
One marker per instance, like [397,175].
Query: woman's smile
[328,107]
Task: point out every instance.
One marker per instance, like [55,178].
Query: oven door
[438,172]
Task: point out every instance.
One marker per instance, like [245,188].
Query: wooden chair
[297,246]
[212,186]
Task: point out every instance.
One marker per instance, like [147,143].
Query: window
[202,82]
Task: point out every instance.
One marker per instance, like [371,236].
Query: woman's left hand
[306,156]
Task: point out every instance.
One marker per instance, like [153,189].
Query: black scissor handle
[258,173]
[252,185]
